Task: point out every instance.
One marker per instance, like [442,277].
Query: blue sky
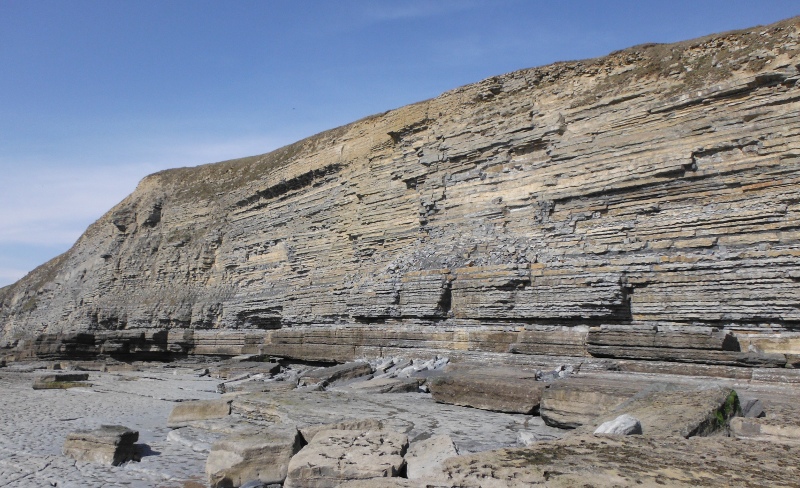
[94,95]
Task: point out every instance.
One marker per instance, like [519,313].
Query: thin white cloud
[388,11]
[51,204]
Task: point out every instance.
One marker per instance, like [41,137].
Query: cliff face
[625,206]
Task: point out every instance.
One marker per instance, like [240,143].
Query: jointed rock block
[110,444]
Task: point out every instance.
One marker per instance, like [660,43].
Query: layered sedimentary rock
[643,205]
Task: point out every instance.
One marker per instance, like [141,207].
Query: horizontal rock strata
[638,206]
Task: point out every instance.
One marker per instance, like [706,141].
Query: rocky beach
[239,422]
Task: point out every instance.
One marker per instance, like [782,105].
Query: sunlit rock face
[640,205]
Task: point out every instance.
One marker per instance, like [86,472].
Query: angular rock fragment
[622,425]
[110,444]
[333,374]
[424,458]
[336,456]
[263,456]
[60,381]
[751,407]
[498,389]
[186,412]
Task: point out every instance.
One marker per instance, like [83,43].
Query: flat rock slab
[110,444]
[262,456]
[186,412]
[336,456]
[667,409]
[497,389]
[60,381]
[605,462]
[571,403]
[333,374]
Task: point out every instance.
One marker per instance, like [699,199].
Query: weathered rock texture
[262,456]
[335,456]
[605,461]
[109,444]
[641,205]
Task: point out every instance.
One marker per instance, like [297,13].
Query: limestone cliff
[641,205]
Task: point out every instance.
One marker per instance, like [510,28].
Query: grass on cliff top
[703,61]
[208,181]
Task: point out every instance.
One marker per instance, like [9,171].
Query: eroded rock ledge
[641,207]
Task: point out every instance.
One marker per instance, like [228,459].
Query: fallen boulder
[186,412]
[751,407]
[333,374]
[497,389]
[263,456]
[336,456]
[110,444]
[60,381]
